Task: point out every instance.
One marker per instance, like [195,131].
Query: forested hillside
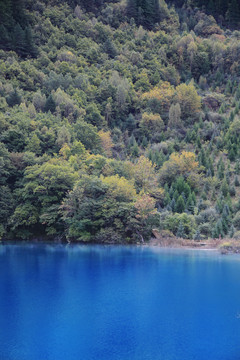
[120,117]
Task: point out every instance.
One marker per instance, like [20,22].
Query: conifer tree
[231,231]
[233,13]
[180,205]
[180,230]
[14,98]
[197,235]
[145,12]
[50,104]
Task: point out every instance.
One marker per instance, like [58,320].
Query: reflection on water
[120,303]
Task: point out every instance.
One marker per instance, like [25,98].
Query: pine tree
[197,235]
[221,169]
[236,181]
[135,150]
[225,187]
[5,38]
[232,154]
[50,104]
[176,195]
[180,205]
[173,205]
[145,143]
[145,12]
[132,8]
[30,48]
[14,98]
[110,48]
[190,204]
[218,230]
[231,231]
[237,93]
[130,123]
[233,13]
[237,168]
[180,230]
[19,40]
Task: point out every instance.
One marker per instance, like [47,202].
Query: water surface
[118,303]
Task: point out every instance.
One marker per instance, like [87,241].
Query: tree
[172,223]
[180,231]
[231,231]
[159,98]
[93,116]
[97,206]
[146,178]
[44,187]
[88,135]
[225,187]
[197,235]
[184,164]
[146,216]
[130,123]
[14,98]
[106,141]
[188,99]
[145,12]
[110,48]
[233,13]
[174,116]
[151,124]
[180,205]
[50,104]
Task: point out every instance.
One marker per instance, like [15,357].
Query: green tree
[44,187]
[180,231]
[50,104]
[14,98]
[180,205]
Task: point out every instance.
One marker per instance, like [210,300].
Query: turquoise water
[118,303]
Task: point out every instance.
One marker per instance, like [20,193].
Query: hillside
[119,117]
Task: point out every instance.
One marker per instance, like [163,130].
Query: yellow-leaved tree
[189,100]
[160,97]
[151,123]
[119,188]
[184,164]
[146,178]
[106,142]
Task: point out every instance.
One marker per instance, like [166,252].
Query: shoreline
[223,246]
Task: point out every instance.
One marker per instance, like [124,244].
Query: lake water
[118,303]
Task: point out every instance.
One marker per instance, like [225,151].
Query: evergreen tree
[110,48]
[233,13]
[190,204]
[236,181]
[145,12]
[130,123]
[50,104]
[197,235]
[30,48]
[221,169]
[180,230]
[231,231]
[5,38]
[14,98]
[225,187]
[19,40]
[218,230]
[173,205]
[180,205]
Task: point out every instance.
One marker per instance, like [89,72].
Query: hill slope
[117,118]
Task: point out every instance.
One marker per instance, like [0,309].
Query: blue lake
[118,303]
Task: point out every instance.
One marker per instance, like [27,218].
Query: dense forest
[117,118]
